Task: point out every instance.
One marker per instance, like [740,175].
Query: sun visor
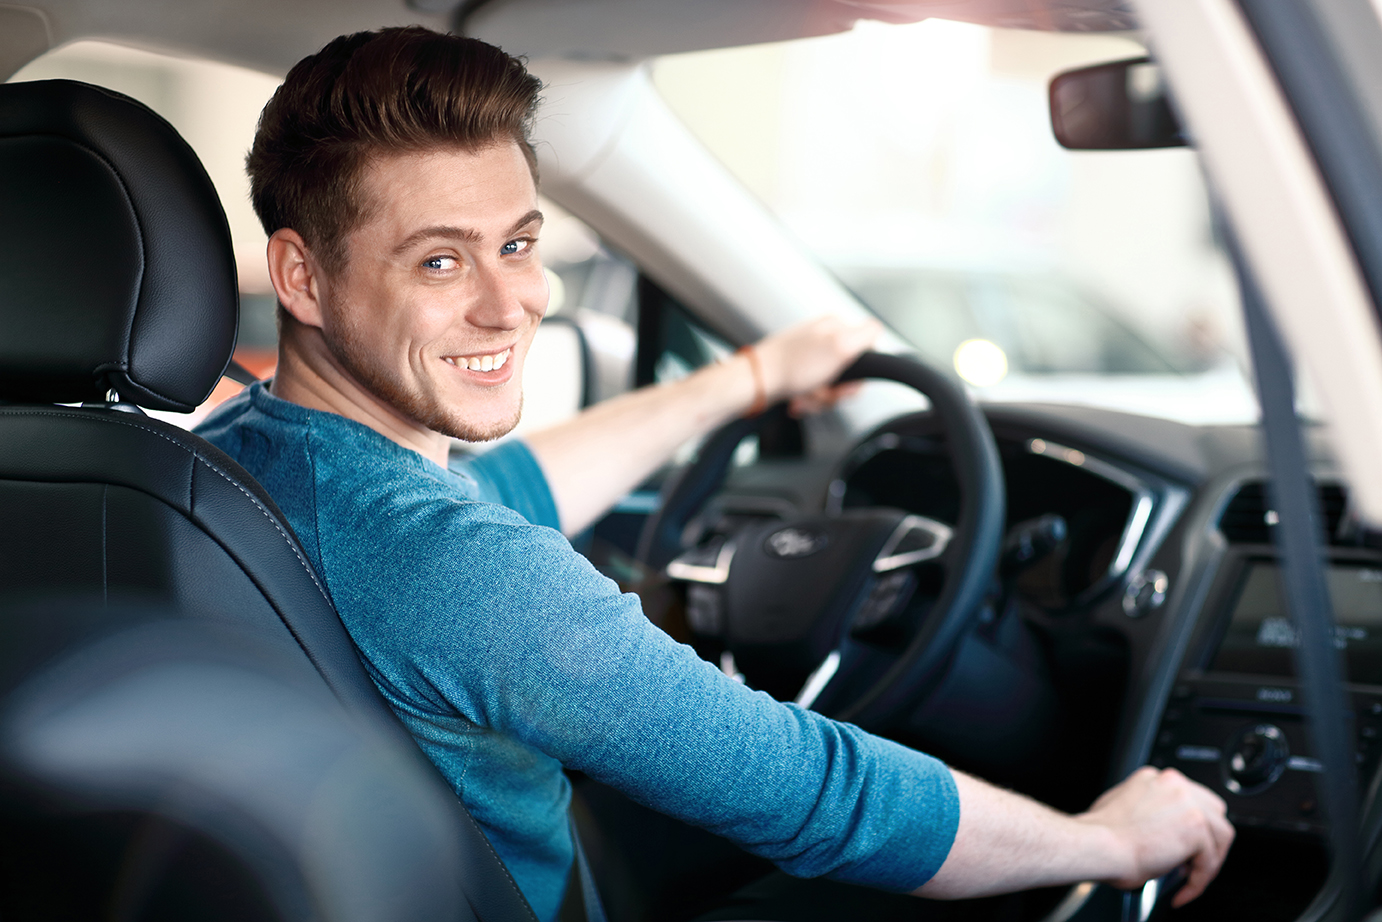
[628,30]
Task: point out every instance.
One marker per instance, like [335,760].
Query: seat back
[161,767]
[118,288]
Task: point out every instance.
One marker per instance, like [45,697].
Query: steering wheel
[861,611]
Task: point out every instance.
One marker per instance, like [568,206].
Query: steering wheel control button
[877,614]
[1146,592]
[794,542]
[1255,759]
[915,540]
[705,610]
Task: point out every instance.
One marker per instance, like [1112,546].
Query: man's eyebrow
[438,232]
[524,221]
[453,232]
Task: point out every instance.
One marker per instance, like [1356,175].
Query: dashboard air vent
[1247,518]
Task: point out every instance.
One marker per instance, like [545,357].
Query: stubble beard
[345,346]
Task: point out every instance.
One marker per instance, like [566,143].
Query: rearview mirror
[1118,106]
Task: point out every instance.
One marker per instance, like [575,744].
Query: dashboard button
[1198,753]
[1256,757]
[1145,592]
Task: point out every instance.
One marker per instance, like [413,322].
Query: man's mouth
[492,362]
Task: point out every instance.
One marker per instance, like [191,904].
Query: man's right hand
[1152,823]
[1164,820]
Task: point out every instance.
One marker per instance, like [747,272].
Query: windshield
[917,163]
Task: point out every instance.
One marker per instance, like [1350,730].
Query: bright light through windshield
[917,162]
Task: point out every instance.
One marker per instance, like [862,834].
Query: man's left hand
[801,363]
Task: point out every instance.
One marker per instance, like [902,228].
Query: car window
[672,342]
[1043,325]
[917,163]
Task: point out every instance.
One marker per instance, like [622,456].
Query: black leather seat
[158,767]
[118,290]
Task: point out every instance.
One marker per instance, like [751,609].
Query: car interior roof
[271,36]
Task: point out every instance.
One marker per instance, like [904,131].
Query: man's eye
[522,245]
[440,263]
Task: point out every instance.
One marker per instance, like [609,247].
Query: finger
[801,406]
[827,395]
[1216,815]
[821,398]
[1204,867]
[1200,876]
[1224,834]
[865,335]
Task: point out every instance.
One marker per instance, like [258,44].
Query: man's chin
[470,431]
[476,434]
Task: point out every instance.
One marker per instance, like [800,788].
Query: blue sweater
[508,656]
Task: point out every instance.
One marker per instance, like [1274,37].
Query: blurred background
[915,161]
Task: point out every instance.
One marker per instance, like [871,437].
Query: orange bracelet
[760,392]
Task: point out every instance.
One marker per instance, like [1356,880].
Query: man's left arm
[592,460]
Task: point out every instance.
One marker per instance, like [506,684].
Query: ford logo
[792,542]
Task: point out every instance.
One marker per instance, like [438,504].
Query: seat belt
[240,374]
[1297,537]
[590,894]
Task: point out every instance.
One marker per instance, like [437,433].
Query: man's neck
[308,377]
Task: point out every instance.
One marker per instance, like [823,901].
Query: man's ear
[296,277]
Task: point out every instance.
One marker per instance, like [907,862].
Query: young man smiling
[394,175]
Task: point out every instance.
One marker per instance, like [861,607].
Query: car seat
[118,291]
[155,767]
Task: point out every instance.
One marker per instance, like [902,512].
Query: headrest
[116,265]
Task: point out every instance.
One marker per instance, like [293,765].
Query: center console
[1235,721]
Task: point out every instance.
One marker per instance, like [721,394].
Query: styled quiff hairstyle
[392,91]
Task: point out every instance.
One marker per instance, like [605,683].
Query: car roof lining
[271,36]
[630,30]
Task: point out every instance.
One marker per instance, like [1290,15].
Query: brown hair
[395,90]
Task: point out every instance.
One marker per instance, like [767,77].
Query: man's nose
[500,302]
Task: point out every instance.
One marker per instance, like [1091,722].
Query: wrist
[760,385]
[1109,854]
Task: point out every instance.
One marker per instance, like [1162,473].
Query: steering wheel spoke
[916,539]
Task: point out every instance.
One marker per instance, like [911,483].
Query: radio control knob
[1255,758]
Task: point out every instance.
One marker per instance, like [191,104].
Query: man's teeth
[480,362]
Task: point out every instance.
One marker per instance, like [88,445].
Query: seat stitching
[105,542]
[307,567]
[489,846]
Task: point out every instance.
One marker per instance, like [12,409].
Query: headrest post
[114,403]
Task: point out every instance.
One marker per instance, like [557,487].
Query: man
[394,175]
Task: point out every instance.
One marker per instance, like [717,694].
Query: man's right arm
[1151,823]
[515,632]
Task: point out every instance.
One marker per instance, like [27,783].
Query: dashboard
[1156,619]
[1104,508]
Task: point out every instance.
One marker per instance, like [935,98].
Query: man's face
[443,289]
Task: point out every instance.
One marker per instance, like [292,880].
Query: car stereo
[1235,721]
